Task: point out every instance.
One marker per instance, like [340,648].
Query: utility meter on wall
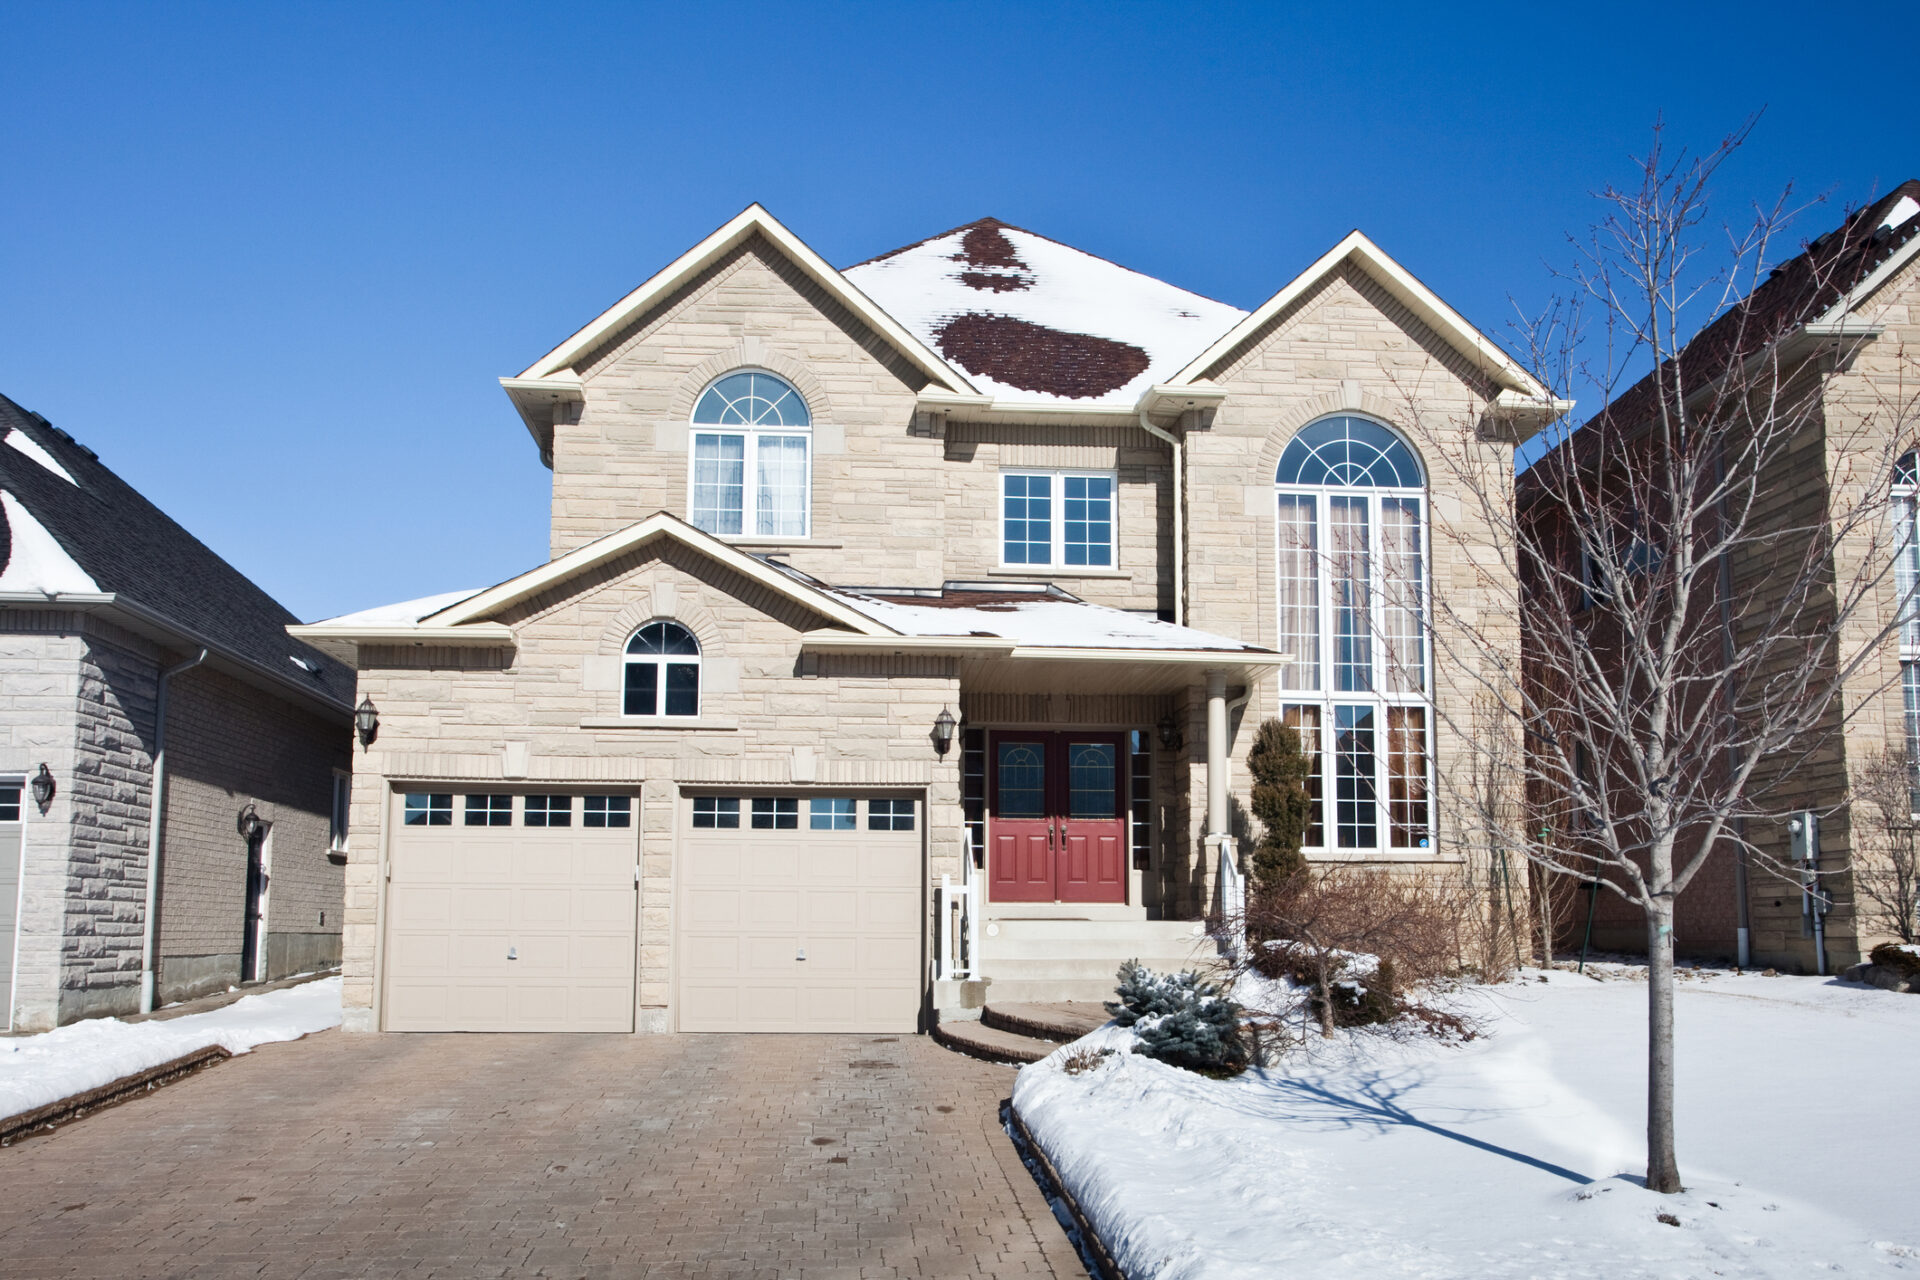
[1803,837]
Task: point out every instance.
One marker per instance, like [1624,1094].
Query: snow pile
[1902,212]
[27,445]
[404,613]
[1035,281]
[37,1070]
[37,561]
[1057,624]
[1516,1154]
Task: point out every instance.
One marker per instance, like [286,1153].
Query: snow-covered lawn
[36,1070]
[1516,1154]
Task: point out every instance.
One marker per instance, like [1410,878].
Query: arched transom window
[663,672]
[751,474]
[1352,592]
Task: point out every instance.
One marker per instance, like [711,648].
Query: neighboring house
[140,668]
[1845,317]
[695,773]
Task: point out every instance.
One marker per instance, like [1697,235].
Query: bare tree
[1886,853]
[1693,600]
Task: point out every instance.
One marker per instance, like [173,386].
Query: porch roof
[1036,637]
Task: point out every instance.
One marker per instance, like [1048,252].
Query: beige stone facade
[905,493]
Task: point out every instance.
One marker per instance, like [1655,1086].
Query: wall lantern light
[43,788]
[249,824]
[367,721]
[943,727]
[1169,733]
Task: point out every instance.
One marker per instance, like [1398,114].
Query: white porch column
[1217,817]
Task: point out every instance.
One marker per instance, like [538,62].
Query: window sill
[693,723]
[1064,571]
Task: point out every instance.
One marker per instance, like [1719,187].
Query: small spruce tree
[1282,804]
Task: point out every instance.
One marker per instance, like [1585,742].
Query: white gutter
[1179,522]
[149,934]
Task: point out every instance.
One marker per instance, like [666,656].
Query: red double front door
[1056,829]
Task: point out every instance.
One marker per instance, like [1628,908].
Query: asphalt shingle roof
[131,548]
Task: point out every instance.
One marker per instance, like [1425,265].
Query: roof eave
[535,399]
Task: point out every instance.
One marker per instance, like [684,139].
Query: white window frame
[750,513]
[660,663]
[1906,579]
[1326,698]
[1057,505]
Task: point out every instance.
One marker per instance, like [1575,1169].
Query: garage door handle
[802,955]
[513,953]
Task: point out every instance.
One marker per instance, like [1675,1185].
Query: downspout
[1179,519]
[1743,923]
[149,933]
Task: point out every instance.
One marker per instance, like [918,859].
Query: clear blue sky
[268,261]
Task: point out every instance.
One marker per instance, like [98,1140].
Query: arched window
[663,672]
[751,474]
[1352,592]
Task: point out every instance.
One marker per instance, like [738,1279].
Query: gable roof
[1815,292]
[554,376]
[1502,369]
[71,529]
[1032,320]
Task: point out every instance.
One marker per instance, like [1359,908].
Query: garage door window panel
[427,809]
[717,813]
[606,811]
[662,672]
[830,813]
[890,815]
[489,811]
[776,813]
[549,811]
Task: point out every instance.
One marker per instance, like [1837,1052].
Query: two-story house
[899,629]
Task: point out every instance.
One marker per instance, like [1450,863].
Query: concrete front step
[1061,1023]
[1139,931]
[978,1040]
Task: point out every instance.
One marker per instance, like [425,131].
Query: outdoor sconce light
[249,824]
[367,721]
[43,788]
[1169,733]
[943,726]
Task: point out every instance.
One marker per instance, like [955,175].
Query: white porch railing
[956,955]
[1233,898]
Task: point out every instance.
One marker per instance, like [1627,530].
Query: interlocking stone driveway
[565,1156]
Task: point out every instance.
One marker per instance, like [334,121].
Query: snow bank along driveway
[37,1070]
[1517,1154]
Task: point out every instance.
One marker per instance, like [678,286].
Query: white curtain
[782,481]
[1401,582]
[1299,592]
[1351,595]
[719,482]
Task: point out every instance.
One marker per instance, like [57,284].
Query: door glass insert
[548,811]
[1355,820]
[830,813]
[1092,779]
[776,813]
[1023,780]
[716,812]
[608,811]
[489,811]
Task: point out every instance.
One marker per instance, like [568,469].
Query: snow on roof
[404,613]
[31,448]
[1031,319]
[1902,211]
[1042,622]
[36,561]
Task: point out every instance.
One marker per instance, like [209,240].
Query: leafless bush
[1314,930]
[1886,863]
[1083,1060]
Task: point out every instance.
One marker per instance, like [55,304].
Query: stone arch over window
[660,673]
[1352,607]
[750,353]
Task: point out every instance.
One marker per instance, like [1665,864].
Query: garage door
[800,913]
[511,912]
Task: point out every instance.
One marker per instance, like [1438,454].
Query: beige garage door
[800,913]
[511,912]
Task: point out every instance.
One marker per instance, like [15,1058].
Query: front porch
[1094,790]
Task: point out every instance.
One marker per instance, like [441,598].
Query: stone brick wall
[892,505]
[230,745]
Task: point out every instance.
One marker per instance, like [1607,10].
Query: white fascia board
[485,634]
[1157,657]
[1832,321]
[1404,286]
[965,646]
[613,545]
[986,409]
[530,396]
[750,220]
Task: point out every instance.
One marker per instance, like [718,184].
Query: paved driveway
[566,1156]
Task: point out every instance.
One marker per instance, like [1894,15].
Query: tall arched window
[1352,591]
[663,672]
[751,473]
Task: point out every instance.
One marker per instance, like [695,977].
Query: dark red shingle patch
[1033,357]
